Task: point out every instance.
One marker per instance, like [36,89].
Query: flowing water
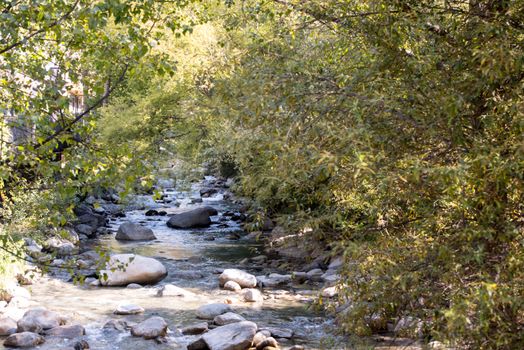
[193,261]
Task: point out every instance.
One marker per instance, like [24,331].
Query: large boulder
[131,268]
[151,328]
[199,217]
[234,336]
[244,279]
[39,319]
[210,311]
[129,231]
[23,340]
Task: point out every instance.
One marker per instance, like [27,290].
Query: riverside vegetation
[386,133]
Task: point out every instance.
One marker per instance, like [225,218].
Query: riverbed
[194,258]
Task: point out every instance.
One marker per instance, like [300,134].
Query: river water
[193,261]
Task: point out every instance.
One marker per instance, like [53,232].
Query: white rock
[253,295]
[244,279]
[330,292]
[19,302]
[232,286]
[128,309]
[170,290]
[131,268]
[151,328]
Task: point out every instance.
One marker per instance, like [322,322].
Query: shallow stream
[193,259]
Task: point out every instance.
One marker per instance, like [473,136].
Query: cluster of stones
[226,330]
[35,326]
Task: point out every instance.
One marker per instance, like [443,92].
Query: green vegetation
[391,130]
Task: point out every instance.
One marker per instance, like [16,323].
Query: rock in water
[131,268]
[234,336]
[227,318]
[81,345]
[7,326]
[210,311]
[244,279]
[253,295]
[68,332]
[279,332]
[151,328]
[170,290]
[23,340]
[194,218]
[119,325]
[194,329]
[232,286]
[269,342]
[128,309]
[38,320]
[129,231]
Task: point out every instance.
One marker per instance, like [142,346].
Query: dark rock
[198,344]
[82,209]
[267,225]
[68,332]
[95,220]
[199,217]
[81,345]
[83,229]
[195,329]
[129,231]
[208,192]
[151,212]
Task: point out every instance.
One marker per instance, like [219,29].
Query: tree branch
[79,117]
[41,30]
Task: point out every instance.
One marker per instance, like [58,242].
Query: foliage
[392,129]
